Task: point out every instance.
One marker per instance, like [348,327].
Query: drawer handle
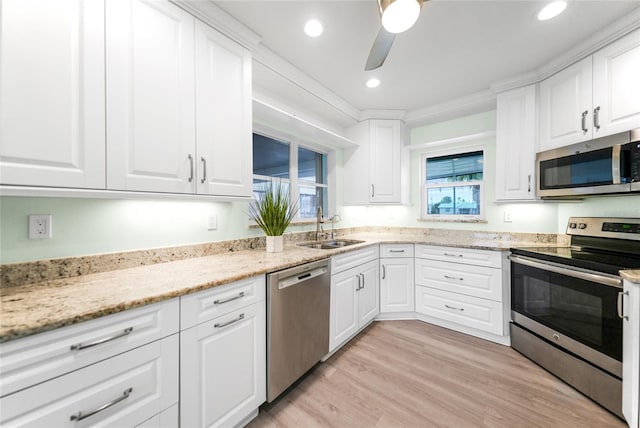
[456,278]
[80,346]
[230,299]
[453,255]
[454,308]
[224,324]
[81,415]
[396,251]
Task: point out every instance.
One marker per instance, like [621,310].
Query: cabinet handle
[529,183]
[596,117]
[204,170]
[373,191]
[454,308]
[457,278]
[80,346]
[584,121]
[224,324]
[621,295]
[190,168]
[384,272]
[81,415]
[358,287]
[362,275]
[229,299]
[453,255]
[396,251]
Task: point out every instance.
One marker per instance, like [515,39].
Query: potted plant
[273,211]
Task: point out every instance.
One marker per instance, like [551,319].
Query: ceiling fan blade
[380,49]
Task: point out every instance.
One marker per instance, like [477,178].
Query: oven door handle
[605,279]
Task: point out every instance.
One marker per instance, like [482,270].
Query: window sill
[453,220]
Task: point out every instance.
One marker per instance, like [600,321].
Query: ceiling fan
[397,16]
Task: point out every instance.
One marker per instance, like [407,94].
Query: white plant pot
[274,244]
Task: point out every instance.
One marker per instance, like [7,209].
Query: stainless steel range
[565,305]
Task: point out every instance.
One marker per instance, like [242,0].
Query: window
[300,168]
[452,186]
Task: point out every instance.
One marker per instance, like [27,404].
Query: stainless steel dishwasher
[297,323]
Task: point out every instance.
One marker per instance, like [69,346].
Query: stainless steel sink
[331,245]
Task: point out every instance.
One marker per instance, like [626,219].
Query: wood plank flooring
[414,374]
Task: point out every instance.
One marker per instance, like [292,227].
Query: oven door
[570,307]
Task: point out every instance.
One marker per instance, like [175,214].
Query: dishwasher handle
[301,277]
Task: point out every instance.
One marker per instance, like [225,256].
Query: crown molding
[595,42]
[382,114]
[477,102]
[212,15]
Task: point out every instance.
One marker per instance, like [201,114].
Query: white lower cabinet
[355,295]
[396,278]
[470,294]
[223,363]
[631,354]
[124,390]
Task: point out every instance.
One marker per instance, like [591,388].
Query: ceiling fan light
[552,10]
[313,28]
[373,83]
[399,15]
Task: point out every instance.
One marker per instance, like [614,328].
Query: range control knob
[572,225]
[582,226]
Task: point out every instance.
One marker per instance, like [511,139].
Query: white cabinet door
[344,307]
[223,114]
[385,151]
[565,107]
[616,86]
[223,368]
[516,144]
[52,126]
[369,293]
[150,97]
[631,354]
[397,285]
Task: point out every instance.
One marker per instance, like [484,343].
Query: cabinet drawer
[481,314]
[34,359]
[351,259]
[209,304]
[460,255]
[129,388]
[396,250]
[476,281]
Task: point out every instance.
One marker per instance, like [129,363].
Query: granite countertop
[631,275]
[42,306]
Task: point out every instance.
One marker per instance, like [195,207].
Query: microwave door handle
[615,164]
[610,280]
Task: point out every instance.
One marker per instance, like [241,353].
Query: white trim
[469,104]
[450,141]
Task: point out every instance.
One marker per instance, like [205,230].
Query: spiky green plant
[273,209]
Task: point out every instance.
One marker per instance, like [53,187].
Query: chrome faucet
[319,221]
[333,219]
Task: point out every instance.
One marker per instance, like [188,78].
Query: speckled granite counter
[631,275]
[41,306]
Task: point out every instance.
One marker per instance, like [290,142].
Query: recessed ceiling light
[313,28]
[552,10]
[373,83]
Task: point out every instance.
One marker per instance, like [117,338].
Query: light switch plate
[212,222]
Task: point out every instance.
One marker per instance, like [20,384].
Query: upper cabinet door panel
[52,130]
[385,152]
[565,98]
[616,86]
[150,97]
[224,116]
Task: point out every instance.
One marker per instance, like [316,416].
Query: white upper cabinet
[150,97]
[515,144]
[593,98]
[565,107]
[52,130]
[616,86]
[377,170]
[223,114]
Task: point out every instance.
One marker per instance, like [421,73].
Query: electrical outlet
[508,216]
[212,222]
[40,226]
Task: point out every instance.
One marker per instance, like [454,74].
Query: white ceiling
[457,47]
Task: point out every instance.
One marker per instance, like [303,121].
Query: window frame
[293,181]
[424,214]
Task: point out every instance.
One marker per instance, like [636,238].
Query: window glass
[270,157]
[448,169]
[312,166]
[311,198]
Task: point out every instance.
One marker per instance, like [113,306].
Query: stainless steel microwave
[606,165]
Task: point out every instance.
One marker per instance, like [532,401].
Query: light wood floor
[413,374]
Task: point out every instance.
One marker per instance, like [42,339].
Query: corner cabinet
[355,288]
[223,354]
[397,286]
[592,98]
[377,170]
[631,354]
[52,129]
[515,145]
[178,110]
